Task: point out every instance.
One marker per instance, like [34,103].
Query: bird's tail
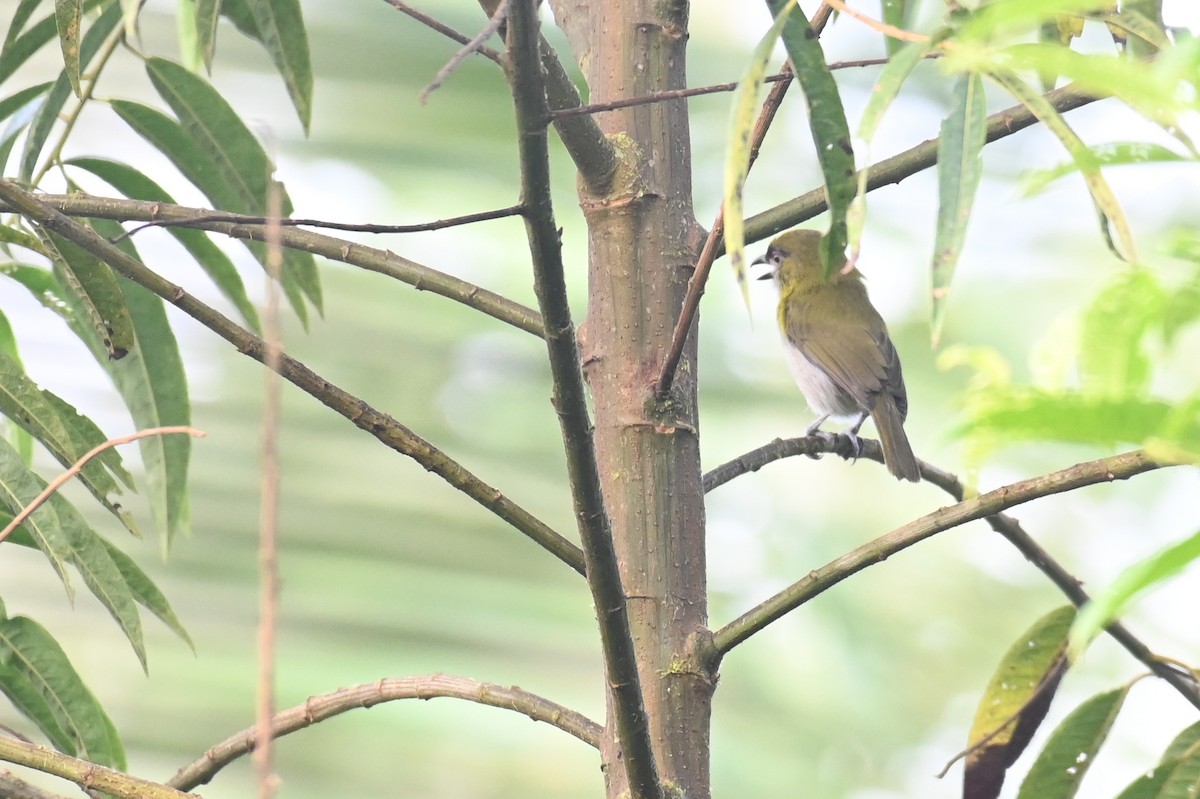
[897,452]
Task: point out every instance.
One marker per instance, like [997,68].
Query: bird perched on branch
[838,347]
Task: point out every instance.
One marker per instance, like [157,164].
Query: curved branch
[372,259]
[911,161]
[1179,679]
[389,431]
[629,716]
[319,708]
[1117,467]
[84,774]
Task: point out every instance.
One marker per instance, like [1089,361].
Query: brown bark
[642,244]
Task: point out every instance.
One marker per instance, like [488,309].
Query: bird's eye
[776,258]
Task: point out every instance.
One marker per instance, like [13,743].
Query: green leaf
[886,88]
[68,15]
[93,284]
[154,386]
[27,650]
[18,488]
[15,102]
[1113,360]
[208,12]
[19,49]
[16,23]
[1148,33]
[239,157]
[212,259]
[830,131]
[1137,579]
[895,13]
[146,592]
[20,438]
[47,115]
[1072,747]
[189,38]
[1107,208]
[960,167]
[1007,17]
[1185,744]
[1107,154]
[280,26]
[737,158]
[1015,702]
[42,285]
[60,428]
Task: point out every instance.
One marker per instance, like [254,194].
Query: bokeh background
[864,693]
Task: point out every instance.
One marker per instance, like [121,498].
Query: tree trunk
[643,243]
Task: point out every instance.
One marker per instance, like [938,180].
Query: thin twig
[629,718]
[77,467]
[443,29]
[372,259]
[699,278]
[489,30]
[203,218]
[268,519]
[887,30]
[382,426]
[1178,678]
[699,91]
[325,706]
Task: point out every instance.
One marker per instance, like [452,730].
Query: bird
[838,348]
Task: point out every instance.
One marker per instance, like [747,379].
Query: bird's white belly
[824,396]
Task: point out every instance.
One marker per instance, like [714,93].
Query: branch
[352,227]
[443,29]
[716,235]
[77,467]
[1010,528]
[471,47]
[591,151]
[319,708]
[698,91]
[570,401]
[88,776]
[249,228]
[386,429]
[898,167]
[1117,467]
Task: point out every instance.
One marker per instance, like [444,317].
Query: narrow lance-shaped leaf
[19,437]
[895,13]
[207,13]
[18,50]
[189,38]
[18,488]
[68,15]
[1015,702]
[1067,755]
[29,651]
[737,158]
[891,78]
[144,591]
[1182,755]
[47,115]
[59,428]
[830,131]
[16,22]
[1106,154]
[280,25]
[240,159]
[1142,576]
[212,259]
[1113,359]
[1107,208]
[154,386]
[960,167]
[94,285]
[169,137]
